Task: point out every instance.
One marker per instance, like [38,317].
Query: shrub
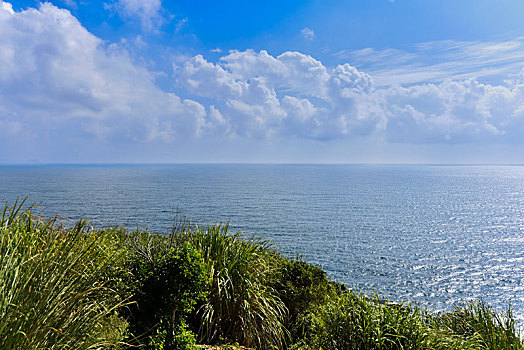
[300,285]
[168,280]
[303,288]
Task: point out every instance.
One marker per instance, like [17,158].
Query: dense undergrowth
[86,288]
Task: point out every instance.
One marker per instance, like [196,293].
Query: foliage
[168,281]
[482,325]
[58,287]
[354,321]
[241,306]
[300,285]
[81,288]
[303,288]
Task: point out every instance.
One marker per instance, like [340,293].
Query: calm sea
[433,235]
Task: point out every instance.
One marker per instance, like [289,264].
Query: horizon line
[249,163]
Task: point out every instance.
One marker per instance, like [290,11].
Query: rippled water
[434,235]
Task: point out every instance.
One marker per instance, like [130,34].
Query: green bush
[300,285]
[168,281]
[303,288]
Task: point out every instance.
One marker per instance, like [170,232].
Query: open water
[432,235]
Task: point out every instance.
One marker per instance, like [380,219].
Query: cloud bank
[293,94]
[60,84]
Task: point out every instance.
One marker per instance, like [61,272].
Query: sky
[332,81]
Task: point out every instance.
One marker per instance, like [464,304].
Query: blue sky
[378,81]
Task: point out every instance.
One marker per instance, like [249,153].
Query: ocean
[428,234]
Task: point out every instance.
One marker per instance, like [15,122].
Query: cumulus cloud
[454,112]
[57,79]
[261,95]
[6,7]
[146,12]
[294,94]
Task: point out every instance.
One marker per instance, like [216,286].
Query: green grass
[484,327]
[355,321]
[57,289]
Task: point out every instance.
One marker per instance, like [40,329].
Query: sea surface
[432,235]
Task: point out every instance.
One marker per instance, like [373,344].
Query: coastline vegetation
[85,288]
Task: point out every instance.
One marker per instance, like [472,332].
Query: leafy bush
[168,281]
[300,285]
[58,287]
[303,288]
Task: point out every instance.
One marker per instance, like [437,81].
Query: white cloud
[71,3]
[147,12]
[58,80]
[308,34]
[454,112]
[206,79]
[6,7]
[294,94]
[293,72]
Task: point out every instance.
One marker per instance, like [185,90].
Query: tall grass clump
[58,287]
[241,305]
[482,326]
[355,321]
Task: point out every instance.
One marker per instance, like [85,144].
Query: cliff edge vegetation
[79,287]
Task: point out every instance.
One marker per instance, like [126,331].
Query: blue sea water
[433,235]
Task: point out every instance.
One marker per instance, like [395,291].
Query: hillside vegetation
[85,288]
